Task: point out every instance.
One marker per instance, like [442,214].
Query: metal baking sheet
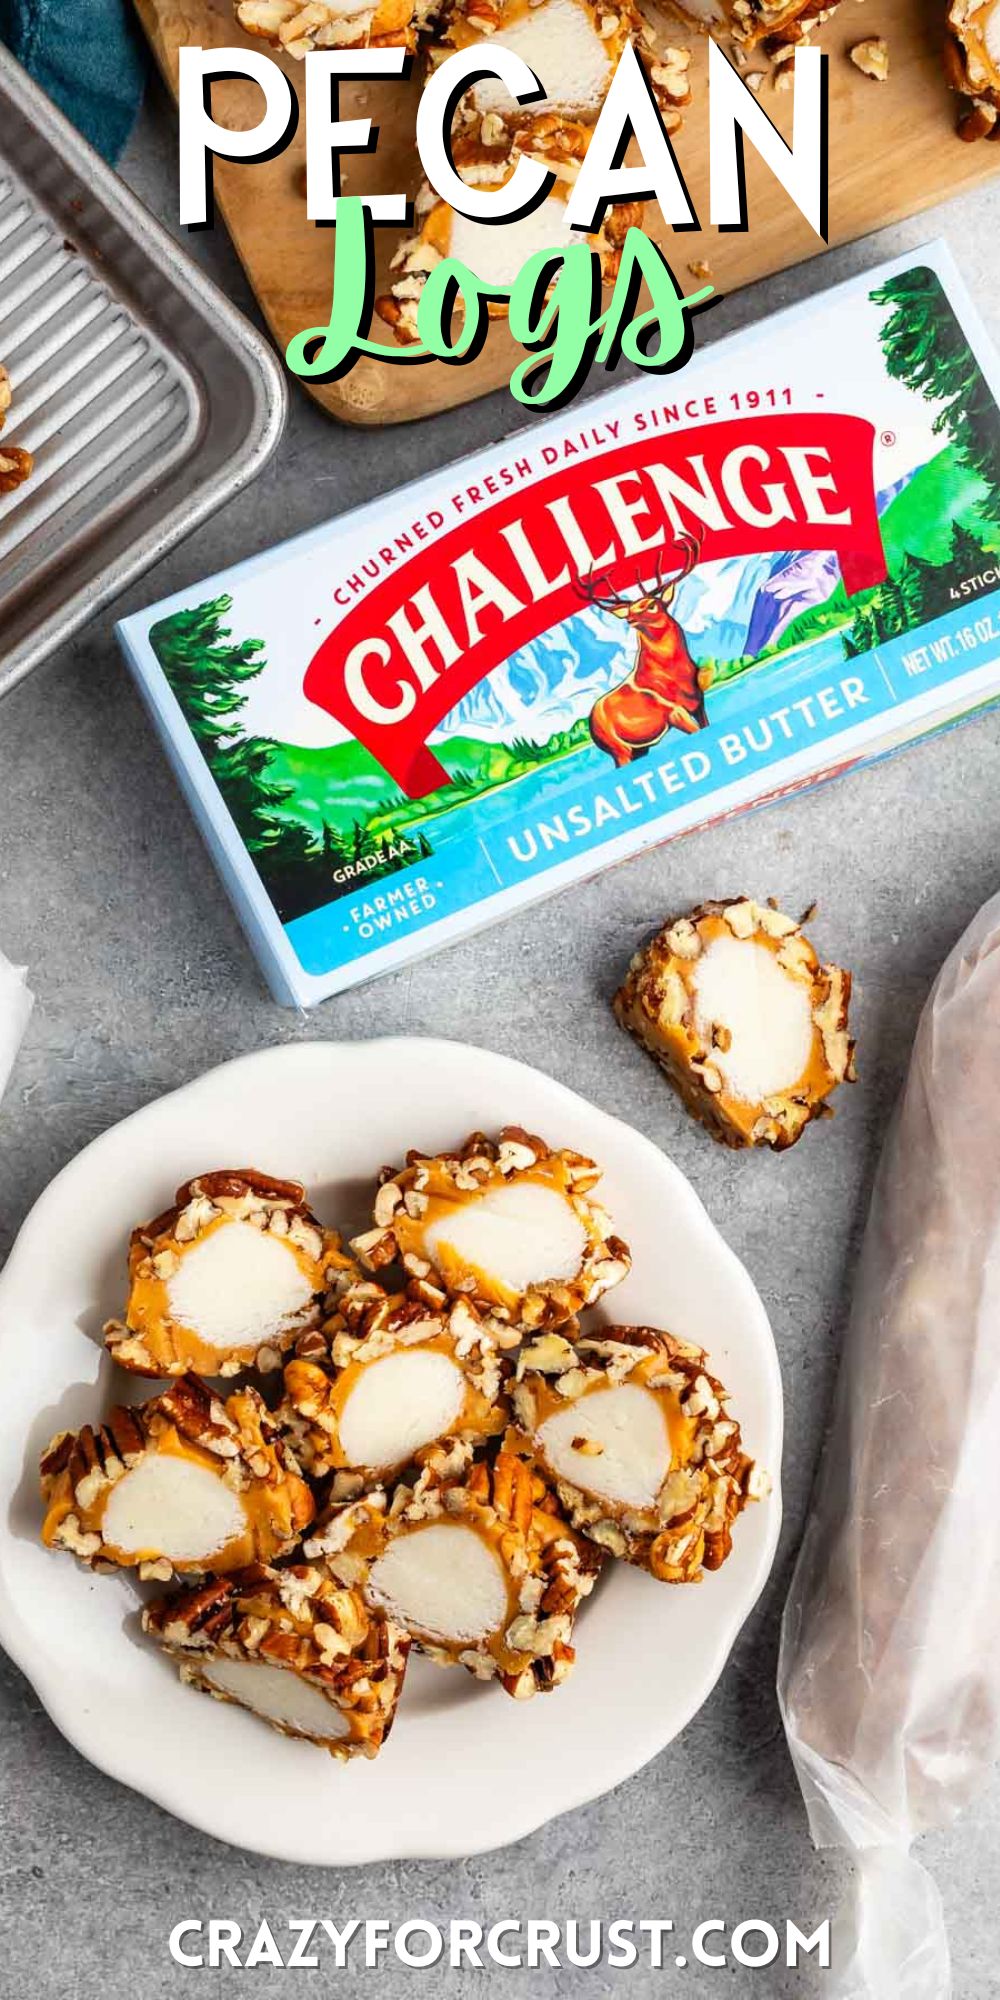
[146,399]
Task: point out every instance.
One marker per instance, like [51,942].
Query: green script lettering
[554,308]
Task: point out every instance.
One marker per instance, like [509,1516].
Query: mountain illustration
[795,585]
[714,605]
[728,610]
[799,583]
[543,687]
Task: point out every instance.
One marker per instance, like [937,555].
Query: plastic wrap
[15,1005]
[889,1676]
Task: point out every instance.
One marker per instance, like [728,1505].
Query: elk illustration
[665,688]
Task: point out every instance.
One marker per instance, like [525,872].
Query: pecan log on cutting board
[972,64]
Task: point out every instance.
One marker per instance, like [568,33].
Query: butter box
[686,596]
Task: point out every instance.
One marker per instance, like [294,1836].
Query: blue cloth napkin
[89,56]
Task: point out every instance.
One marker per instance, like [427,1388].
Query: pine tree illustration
[334,854]
[967,552]
[925,588]
[890,610]
[207,671]
[924,346]
[205,668]
[864,633]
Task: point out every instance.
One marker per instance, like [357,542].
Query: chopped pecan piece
[871,57]
[16,464]
[15,467]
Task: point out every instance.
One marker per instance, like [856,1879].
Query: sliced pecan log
[298,26]
[292,1645]
[388,1381]
[633,1434]
[227,1278]
[182,1483]
[751,1029]
[972,64]
[476,1561]
[509,1224]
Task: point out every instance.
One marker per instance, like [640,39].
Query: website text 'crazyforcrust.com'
[314,1943]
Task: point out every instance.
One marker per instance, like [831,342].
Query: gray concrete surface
[143,980]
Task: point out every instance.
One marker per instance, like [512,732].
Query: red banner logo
[404,655]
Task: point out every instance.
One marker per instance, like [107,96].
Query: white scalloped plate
[648,1655]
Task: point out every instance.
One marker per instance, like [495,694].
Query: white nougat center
[520,1235]
[559,41]
[739,985]
[629,1425]
[703,11]
[496,253]
[238,1285]
[397,1405]
[280,1696]
[991,35]
[171,1507]
[442,1581]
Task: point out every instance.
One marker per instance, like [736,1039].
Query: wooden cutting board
[893,151]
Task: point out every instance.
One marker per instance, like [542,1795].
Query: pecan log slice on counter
[745,1022]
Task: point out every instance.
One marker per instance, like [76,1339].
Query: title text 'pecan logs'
[627,108]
